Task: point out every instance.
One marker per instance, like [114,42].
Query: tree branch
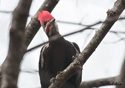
[32,27]
[121,77]
[0,76]
[112,16]
[121,39]
[99,82]
[11,67]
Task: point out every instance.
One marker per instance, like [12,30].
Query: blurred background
[71,15]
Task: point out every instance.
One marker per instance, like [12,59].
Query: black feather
[55,57]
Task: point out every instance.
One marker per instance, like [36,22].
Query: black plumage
[54,57]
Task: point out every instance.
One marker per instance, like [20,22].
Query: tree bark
[99,82]
[10,69]
[30,32]
[121,77]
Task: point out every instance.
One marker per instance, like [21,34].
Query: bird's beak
[48,24]
[52,21]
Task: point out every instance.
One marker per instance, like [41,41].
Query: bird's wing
[77,50]
[79,72]
[44,83]
[41,60]
[76,46]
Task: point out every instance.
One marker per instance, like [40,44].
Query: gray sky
[104,62]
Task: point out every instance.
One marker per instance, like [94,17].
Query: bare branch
[33,26]
[121,77]
[112,16]
[121,39]
[117,32]
[11,67]
[28,71]
[73,23]
[2,11]
[0,76]
[99,82]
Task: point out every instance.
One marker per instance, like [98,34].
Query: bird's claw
[52,81]
[74,57]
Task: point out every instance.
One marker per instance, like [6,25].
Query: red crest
[44,16]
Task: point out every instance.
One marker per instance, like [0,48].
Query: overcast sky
[104,62]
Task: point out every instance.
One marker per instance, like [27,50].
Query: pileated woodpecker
[56,55]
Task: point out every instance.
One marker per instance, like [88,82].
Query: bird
[56,55]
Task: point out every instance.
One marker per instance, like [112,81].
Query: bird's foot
[78,65]
[52,81]
[74,57]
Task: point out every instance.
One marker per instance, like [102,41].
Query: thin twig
[121,39]
[99,82]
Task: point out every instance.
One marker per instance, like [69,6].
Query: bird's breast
[58,58]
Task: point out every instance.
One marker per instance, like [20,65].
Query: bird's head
[48,23]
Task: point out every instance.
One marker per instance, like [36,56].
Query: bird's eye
[52,21]
[44,23]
